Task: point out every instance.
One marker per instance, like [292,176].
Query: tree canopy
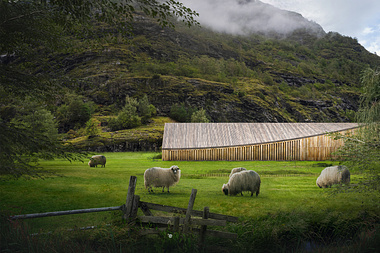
[362,149]
[30,29]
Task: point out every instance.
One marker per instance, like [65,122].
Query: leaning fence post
[130,196]
[188,211]
[135,207]
[202,232]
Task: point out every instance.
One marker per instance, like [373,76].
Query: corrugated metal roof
[207,135]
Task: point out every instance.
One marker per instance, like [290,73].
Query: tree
[74,113]
[128,117]
[144,109]
[362,149]
[200,116]
[92,127]
[29,31]
[28,135]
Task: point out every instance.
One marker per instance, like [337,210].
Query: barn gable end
[251,141]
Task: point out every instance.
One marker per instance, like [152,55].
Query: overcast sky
[354,18]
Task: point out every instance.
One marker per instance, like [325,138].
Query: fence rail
[176,223]
[59,213]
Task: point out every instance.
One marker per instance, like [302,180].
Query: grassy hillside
[298,78]
[294,79]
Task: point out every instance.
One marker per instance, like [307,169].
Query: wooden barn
[251,141]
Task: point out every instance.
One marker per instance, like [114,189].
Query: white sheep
[333,175]
[247,180]
[161,177]
[97,159]
[236,170]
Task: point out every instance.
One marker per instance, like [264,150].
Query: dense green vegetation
[77,80]
[290,210]
[31,31]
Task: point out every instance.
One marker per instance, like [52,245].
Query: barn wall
[317,148]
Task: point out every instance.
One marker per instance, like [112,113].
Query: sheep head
[174,169]
[225,189]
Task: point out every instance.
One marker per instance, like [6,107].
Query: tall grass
[290,211]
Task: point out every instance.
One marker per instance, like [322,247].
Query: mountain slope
[252,78]
[244,17]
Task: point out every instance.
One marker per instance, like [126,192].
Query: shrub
[93,127]
[200,117]
[74,113]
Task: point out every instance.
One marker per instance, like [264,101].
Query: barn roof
[208,135]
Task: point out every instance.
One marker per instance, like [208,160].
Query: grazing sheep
[236,170]
[333,175]
[97,159]
[247,180]
[161,177]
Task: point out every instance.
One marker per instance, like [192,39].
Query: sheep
[97,159]
[333,175]
[247,180]
[235,170]
[161,177]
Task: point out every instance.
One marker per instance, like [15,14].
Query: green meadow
[288,193]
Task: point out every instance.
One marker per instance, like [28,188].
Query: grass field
[287,188]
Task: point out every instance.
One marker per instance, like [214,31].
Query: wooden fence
[175,223]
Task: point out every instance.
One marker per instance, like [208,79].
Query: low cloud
[248,16]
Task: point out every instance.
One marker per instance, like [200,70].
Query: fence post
[176,224]
[135,207]
[130,196]
[188,211]
[202,232]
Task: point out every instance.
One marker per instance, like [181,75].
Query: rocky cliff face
[288,95]
[224,104]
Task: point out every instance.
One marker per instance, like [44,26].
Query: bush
[124,121]
[200,117]
[74,113]
[181,113]
[93,127]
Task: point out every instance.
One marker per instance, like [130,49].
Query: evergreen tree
[144,109]
[128,117]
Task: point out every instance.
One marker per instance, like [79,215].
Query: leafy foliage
[74,113]
[200,116]
[30,32]
[181,113]
[92,127]
[362,149]
[128,117]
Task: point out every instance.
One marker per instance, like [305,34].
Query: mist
[243,17]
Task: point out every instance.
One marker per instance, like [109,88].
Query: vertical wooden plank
[130,197]
[176,224]
[202,232]
[135,207]
[188,211]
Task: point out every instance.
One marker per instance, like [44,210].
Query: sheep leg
[252,194]
[168,190]
[163,189]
